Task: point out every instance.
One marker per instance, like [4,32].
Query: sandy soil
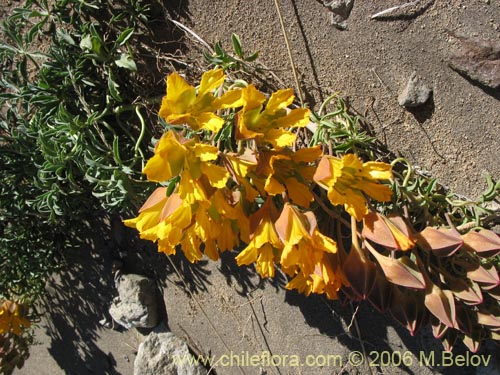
[456,138]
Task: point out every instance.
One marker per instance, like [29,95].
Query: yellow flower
[191,221]
[183,105]
[192,160]
[326,278]
[240,167]
[162,219]
[308,256]
[291,172]
[220,225]
[267,125]
[12,318]
[303,243]
[347,180]
[265,245]
[150,212]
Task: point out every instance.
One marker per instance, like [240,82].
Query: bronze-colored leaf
[381,293]
[488,319]
[464,320]
[495,292]
[360,272]
[441,304]
[392,233]
[495,335]
[472,341]
[466,290]
[438,328]
[484,275]
[406,308]
[485,243]
[442,242]
[350,295]
[449,339]
[401,271]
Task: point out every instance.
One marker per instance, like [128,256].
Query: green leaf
[172,184]
[126,61]
[218,49]
[116,151]
[237,45]
[252,57]
[113,89]
[125,36]
[63,35]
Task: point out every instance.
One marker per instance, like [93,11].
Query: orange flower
[265,245]
[347,180]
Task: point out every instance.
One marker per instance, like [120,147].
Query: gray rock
[162,353]
[341,9]
[479,60]
[415,94]
[136,304]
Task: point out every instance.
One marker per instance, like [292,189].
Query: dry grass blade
[193,34]
[392,9]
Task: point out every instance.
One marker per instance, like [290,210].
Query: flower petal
[208,121]
[180,95]
[210,80]
[279,100]
[298,117]
[231,99]
[273,186]
[298,192]
[217,176]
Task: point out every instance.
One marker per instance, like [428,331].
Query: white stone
[163,353]
[136,304]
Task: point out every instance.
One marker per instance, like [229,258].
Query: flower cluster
[258,196]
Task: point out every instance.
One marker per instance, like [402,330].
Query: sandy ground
[232,314]
[224,311]
[456,138]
